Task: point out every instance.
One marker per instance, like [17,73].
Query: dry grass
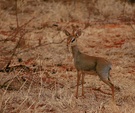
[50,85]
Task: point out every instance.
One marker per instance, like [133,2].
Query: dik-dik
[85,63]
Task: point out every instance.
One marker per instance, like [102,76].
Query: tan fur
[85,63]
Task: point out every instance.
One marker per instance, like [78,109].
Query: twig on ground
[132,27]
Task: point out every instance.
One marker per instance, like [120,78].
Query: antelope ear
[66,32]
[78,33]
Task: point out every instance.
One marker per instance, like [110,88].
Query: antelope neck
[75,50]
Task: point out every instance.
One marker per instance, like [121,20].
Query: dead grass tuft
[49,82]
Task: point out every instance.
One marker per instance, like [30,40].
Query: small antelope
[85,63]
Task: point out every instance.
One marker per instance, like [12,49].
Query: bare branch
[17,30]
[14,50]
[44,44]
[17,15]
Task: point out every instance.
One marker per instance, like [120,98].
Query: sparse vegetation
[37,74]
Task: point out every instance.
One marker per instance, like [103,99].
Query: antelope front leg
[83,83]
[78,79]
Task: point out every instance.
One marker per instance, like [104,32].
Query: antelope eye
[73,40]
